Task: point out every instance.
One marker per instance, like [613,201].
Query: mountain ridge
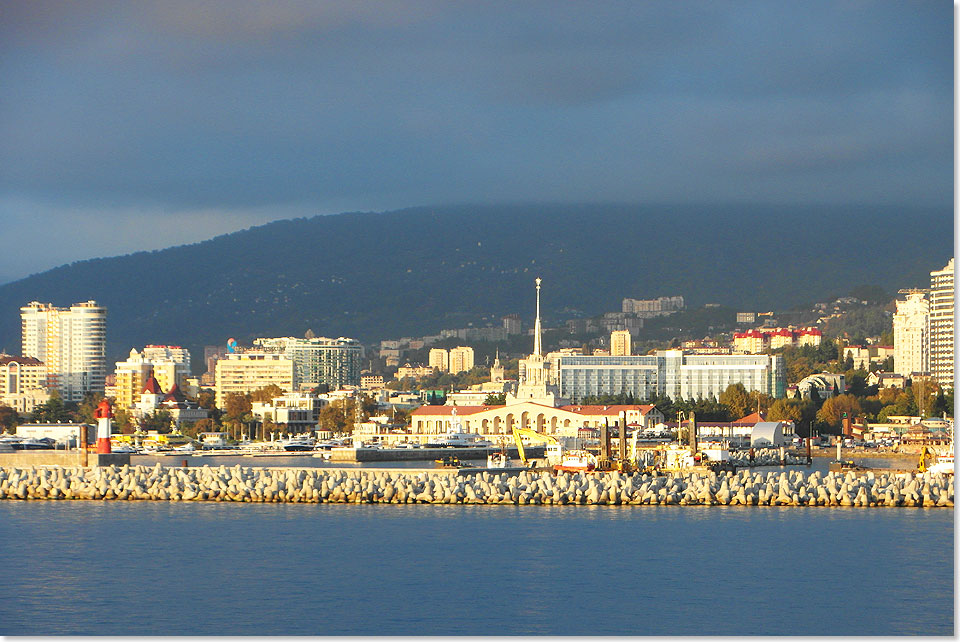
[409,272]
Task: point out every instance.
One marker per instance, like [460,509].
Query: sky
[130,126]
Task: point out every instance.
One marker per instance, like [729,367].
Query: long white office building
[669,373]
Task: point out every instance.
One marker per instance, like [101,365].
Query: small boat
[186,448]
[498,459]
[299,444]
[451,462]
[576,461]
[34,444]
[122,448]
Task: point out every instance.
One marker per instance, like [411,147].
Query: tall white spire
[537,344]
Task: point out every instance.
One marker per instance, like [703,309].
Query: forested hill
[415,271]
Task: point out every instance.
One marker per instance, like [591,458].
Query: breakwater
[299,485]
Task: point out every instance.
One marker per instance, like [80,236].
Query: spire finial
[537,342]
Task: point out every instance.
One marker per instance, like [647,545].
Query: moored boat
[576,461]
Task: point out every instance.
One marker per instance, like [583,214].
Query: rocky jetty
[300,485]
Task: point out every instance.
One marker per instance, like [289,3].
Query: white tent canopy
[766,434]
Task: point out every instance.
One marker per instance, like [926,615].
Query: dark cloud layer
[247,111]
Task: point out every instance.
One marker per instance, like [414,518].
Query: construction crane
[553,444]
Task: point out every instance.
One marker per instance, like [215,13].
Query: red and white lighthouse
[103,413]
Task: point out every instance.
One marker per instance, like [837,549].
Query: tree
[203,425]
[495,399]
[159,420]
[833,409]
[51,412]
[266,394]
[786,410]
[736,399]
[9,419]
[235,405]
[207,400]
[87,407]
[123,421]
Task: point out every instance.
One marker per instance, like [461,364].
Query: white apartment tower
[941,325]
[911,335]
[620,343]
[71,342]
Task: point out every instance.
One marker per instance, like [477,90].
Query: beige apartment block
[461,359]
[620,343]
[439,359]
[249,371]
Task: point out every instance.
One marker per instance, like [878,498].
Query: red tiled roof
[752,418]
[24,361]
[152,387]
[448,410]
[175,395]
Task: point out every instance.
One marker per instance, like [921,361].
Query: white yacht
[299,443]
[456,438]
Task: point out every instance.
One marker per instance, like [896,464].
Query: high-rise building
[320,361]
[911,335]
[620,343]
[177,354]
[439,359]
[941,325]
[461,359]
[71,342]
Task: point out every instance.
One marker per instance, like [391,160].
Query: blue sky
[127,126]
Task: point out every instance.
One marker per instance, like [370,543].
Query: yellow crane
[533,435]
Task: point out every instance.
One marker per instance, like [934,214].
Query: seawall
[21,458]
[380,486]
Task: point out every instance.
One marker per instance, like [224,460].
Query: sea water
[157,568]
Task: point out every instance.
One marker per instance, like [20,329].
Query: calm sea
[153,568]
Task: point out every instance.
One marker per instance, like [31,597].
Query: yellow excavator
[927,457]
[553,444]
